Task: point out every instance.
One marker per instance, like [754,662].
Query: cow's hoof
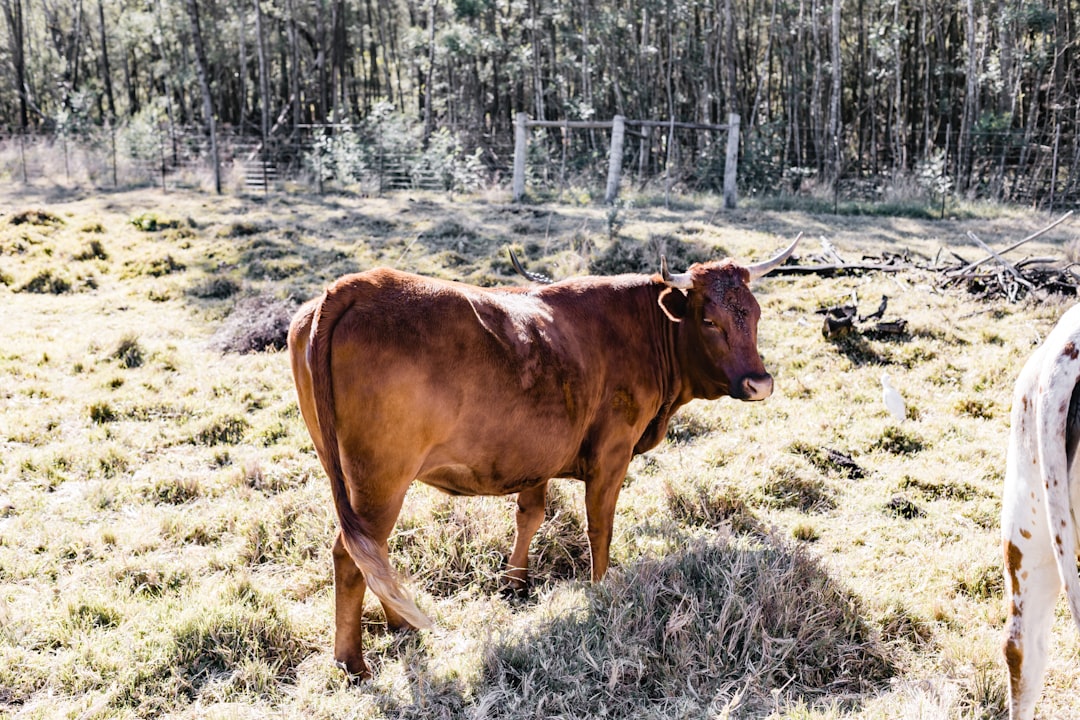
[516,592]
[353,678]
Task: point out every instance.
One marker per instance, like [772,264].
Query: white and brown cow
[1042,490]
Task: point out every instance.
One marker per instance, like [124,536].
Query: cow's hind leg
[349,587]
[377,504]
[530,515]
[1032,586]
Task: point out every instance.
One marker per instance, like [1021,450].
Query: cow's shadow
[719,617]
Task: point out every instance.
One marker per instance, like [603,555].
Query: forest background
[970,97]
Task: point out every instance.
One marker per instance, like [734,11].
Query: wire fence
[377,159]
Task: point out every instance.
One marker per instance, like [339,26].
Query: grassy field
[165,527]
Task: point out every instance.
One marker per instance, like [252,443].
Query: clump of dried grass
[702,623]
[255,324]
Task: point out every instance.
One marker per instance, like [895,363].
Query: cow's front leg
[530,515]
[601,494]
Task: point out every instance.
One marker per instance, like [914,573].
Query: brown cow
[494,391]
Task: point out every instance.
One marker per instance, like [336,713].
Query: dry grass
[165,526]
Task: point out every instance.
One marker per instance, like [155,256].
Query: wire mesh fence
[375,158]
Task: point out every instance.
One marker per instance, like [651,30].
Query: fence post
[732,161]
[618,131]
[521,139]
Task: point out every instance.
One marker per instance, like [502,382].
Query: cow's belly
[459,479]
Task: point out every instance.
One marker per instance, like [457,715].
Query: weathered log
[835,269]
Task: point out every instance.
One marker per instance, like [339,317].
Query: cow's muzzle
[754,387]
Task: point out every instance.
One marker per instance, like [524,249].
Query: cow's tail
[1057,380]
[369,557]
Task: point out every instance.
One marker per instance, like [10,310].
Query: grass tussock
[788,488]
[698,619]
[630,255]
[255,324]
[38,217]
[130,352]
[94,250]
[226,430]
[699,503]
[215,288]
[150,222]
[898,442]
[237,644]
[47,282]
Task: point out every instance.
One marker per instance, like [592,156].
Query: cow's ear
[674,304]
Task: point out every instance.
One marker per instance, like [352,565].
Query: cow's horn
[682,281]
[764,268]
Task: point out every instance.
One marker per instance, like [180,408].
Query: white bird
[893,401]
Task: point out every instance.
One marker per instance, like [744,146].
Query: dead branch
[1030,277]
[1018,243]
[1004,263]
[833,270]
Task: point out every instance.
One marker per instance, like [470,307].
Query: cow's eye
[708,323]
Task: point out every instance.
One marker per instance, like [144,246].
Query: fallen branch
[1016,244]
[1004,263]
[832,270]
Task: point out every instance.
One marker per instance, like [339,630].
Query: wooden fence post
[618,132]
[732,161]
[521,140]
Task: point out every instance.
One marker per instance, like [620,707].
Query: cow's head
[718,318]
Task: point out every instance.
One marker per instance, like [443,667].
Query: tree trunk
[429,118]
[106,72]
[14,14]
[321,60]
[242,100]
[264,79]
[967,118]
[816,124]
[294,70]
[837,90]
[204,86]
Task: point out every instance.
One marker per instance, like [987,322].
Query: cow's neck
[668,376]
